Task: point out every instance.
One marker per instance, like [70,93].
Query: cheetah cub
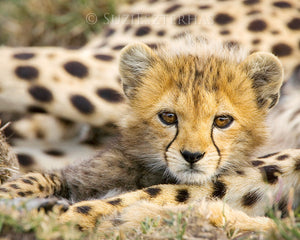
[196,114]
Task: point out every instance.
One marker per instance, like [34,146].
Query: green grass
[287,229]
[52,22]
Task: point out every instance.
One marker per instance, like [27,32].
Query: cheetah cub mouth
[197,108]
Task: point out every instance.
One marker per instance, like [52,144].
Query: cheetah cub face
[196,111]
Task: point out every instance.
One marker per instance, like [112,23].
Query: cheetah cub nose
[192,157]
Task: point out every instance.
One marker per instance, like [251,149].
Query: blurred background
[52,22]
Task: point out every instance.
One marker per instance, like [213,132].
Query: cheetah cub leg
[33,185]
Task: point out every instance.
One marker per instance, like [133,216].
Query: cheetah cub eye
[223,121]
[168,118]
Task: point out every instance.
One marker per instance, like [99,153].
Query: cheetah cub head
[199,109]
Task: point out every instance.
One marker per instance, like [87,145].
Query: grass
[68,23]
[287,229]
[18,223]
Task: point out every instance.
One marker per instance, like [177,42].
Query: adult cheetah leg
[161,199]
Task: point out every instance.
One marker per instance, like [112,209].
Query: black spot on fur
[76,69]
[127,28]
[40,134]
[118,47]
[257,25]
[3,189]
[297,165]
[186,19]
[239,172]
[172,8]
[65,121]
[224,32]
[28,193]
[104,57]
[41,188]
[142,31]
[281,49]
[54,152]
[282,157]
[28,73]
[25,159]
[275,32]
[14,186]
[110,95]
[23,56]
[219,190]
[10,133]
[140,15]
[256,41]
[203,7]
[253,12]
[282,4]
[294,24]
[80,228]
[161,33]
[257,163]
[249,199]
[153,191]
[115,202]
[27,181]
[33,178]
[40,93]
[268,155]
[21,194]
[83,209]
[223,19]
[182,195]
[82,104]
[109,32]
[250,2]
[36,109]
[270,173]
[152,45]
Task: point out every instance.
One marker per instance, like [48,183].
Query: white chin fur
[189,177]
[181,170]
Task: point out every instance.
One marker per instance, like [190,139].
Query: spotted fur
[200,78]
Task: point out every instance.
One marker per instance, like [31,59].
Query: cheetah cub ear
[135,60]
[266,72]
